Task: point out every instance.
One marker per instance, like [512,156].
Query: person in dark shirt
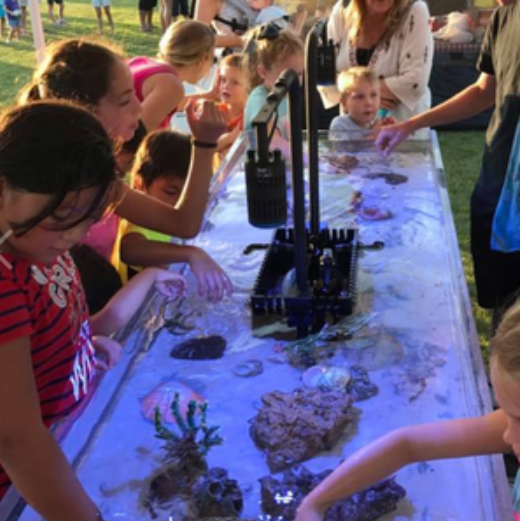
[497,274]
[14,16]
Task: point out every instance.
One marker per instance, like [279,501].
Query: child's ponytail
[267,46]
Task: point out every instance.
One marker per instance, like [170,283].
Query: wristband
[203,144]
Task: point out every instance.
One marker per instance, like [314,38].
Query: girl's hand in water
[169,283]
[108,352]
[207,123]
[307,511]
[390,136]
[211,278]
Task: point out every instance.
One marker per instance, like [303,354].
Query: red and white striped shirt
[47,304]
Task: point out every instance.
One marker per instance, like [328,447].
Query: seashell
[162,397]
[249,368]
[326,378]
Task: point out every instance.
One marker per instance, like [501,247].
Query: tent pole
[37,29]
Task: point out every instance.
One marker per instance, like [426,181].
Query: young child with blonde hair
[273,51]
[185,55]
[233,92]
[360,103]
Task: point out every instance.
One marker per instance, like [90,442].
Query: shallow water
[414,344]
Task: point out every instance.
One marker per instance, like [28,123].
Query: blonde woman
[393,38]
[185,55]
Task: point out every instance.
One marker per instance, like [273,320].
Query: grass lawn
[461,151]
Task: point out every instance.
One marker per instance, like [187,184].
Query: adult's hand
[389,137]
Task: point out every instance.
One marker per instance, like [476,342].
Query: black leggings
[497,274]
[180,7]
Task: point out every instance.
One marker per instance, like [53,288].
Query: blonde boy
[360,102]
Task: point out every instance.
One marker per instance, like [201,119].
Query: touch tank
[408,354]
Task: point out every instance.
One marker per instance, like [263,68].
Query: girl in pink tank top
[185,55]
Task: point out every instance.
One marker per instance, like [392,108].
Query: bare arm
[163,93]
[185,219]
[205,12]
[385,456]
[469,102]
[124,304]
[28,452]
[213,283]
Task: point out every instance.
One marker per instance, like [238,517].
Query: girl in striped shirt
[58,175]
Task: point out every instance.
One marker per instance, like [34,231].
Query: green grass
[17,61]
[462,154]
[461,151]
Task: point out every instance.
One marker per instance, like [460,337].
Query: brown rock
[293,427]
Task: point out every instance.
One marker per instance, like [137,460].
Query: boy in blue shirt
[14,14]
[2,19]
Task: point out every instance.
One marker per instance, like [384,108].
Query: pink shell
[162,397]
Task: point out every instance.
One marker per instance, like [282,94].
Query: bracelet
[203,144]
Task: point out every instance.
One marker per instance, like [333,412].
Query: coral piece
[390,178]
[369,504]
[360,387]
[313,349]
[281,498]
[202,348]
[217,495]
[343,163]
[293,427]
[373,213]
[184,488]
[249,368]
[162,398]
[189,430]
[326,378]
[421,363]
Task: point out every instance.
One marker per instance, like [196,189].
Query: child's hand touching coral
[212,281]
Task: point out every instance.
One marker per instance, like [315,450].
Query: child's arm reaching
[385,456]
[227,139]
[28,452]
[129,299]
[212,280]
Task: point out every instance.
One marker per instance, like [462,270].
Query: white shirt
[405,61]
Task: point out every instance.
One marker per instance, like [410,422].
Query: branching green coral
[189,429]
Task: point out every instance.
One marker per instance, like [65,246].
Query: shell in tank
[326,378]
[162,397]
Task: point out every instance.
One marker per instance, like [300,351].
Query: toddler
[233,96]
[360,102]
